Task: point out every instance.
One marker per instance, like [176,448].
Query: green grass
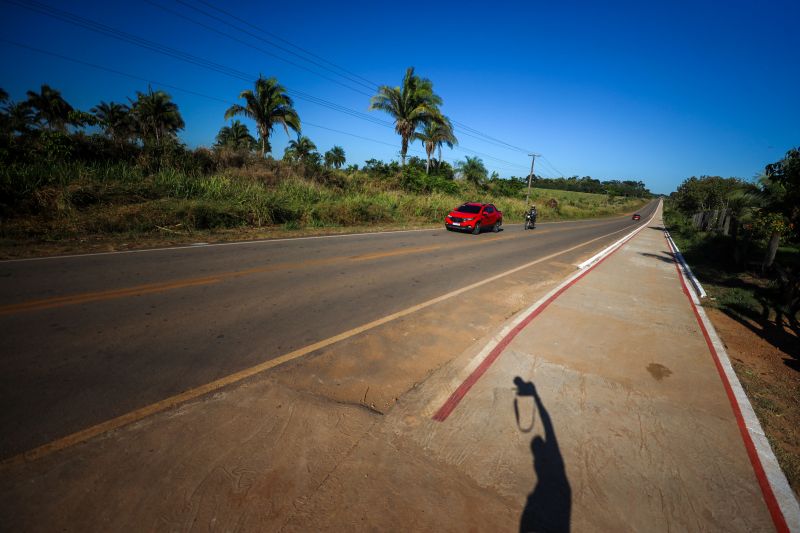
[78,199]
[755,302]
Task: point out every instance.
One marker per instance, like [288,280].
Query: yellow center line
[152,288]
[196,392]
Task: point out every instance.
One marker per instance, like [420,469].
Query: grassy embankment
[768,370]
[76,204]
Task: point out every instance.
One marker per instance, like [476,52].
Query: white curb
[687,271]
[790,508]
[605,251]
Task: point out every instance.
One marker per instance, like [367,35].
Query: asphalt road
[89,338]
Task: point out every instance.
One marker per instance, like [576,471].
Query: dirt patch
[658,371]
[771,378]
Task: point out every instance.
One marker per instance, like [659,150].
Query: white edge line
[202,390]
[210,245]
[473,363]
[688,271]
[604,252]
[777,479]
[259,241]
[435,403]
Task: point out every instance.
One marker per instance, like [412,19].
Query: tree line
[630,188]
[152,119]
[150,123]
[767,208]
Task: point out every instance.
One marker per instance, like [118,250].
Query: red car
[637,216]
[474,217]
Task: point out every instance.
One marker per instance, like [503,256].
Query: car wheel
[496,226]
[477,228]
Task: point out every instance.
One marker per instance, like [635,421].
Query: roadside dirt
[11,248]
[18,249]
[771,377]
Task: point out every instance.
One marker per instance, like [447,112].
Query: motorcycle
[530,220]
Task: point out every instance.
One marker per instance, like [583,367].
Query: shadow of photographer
[549,506]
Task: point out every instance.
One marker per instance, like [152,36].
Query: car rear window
[466,208]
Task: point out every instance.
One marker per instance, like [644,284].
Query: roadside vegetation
[742,240]
[119,171]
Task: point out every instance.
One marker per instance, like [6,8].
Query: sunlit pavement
[605,413]
[618,419]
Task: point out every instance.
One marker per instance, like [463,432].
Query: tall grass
[107,198]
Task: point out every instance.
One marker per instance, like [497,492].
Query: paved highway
[89,338]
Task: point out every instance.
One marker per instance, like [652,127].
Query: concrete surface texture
[606,413]
[87,339]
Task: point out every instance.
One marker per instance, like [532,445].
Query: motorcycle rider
[532,214]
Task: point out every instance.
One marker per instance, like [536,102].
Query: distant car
[637,216]
[474,217]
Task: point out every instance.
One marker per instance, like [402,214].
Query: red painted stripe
[761,476]
[452,402]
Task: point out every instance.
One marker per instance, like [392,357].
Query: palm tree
[301,150]
[235,136]
[335,157]
[473,170]
[115,120]
[50,108]
[410,105]
[156,116]
[434,134]
[267,105]
[19,117]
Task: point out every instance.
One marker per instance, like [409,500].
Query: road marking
[271,241]
[479,364]
[77,299]
[393,253]
[153,288]
[194,393]
[778,496]
[212,245]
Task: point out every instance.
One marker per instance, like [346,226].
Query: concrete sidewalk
[606,413]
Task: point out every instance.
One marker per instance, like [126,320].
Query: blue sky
[639,90]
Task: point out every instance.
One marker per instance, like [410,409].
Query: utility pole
[530,177]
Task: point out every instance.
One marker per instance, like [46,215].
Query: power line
[184,56]
[112,70]
[552,166]
[204,63]
[250,45]
[466,130]
[181,89]
[370,84]
[469,132]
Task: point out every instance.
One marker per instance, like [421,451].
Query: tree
[705,193]
[115,120]
[786,174]
[433,134]
[15,117]
[410,105]
[156,116]
[267,105]
[50,108]
[472,170]
[335,157]
[780,191]
[302,150]
[236,136]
